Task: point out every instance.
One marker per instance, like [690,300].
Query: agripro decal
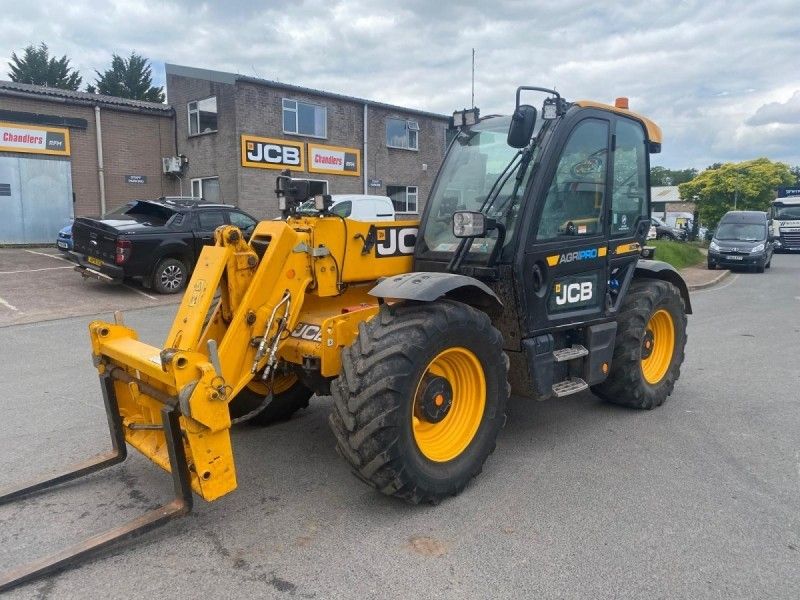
[269,153]
[395,241]
[571,293]
[334,160]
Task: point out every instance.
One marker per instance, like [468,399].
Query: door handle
[537,278]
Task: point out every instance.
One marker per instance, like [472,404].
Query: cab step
[571,353]
[570,386]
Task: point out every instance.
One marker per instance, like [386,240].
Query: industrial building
[223,137]
[239,132]
[65,153]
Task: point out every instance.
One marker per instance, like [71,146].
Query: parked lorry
[785,213]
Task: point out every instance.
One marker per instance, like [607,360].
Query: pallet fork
[70,556]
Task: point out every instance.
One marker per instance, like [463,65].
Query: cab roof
[653,130]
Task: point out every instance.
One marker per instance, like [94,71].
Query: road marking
[9,306]
[48,255]
[133,289]
[715,288]
[33,270]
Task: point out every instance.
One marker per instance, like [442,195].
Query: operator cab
[557,199]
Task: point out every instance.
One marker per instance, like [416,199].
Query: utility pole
[473,78]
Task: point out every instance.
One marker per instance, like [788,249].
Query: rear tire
[643,373]
[170,276]
[421,399]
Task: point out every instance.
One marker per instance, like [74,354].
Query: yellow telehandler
[526,272]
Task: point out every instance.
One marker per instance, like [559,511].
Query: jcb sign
[569,293]
[269,153]
[395,241]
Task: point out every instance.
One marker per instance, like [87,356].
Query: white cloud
[698,68]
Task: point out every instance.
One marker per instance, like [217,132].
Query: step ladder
[571,385]
[571,353]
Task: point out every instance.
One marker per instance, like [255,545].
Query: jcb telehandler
[525,274]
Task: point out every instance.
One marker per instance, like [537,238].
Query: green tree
[129,77]
[663,176]
[36,66]
[748,185]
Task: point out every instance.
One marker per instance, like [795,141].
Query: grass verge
[678,254]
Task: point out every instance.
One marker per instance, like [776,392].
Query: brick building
[238,133]
[50,168]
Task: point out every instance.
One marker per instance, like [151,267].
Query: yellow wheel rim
[658,346]
[453,386]
[283,381]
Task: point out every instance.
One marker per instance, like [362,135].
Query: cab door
[566,254]
[630,205]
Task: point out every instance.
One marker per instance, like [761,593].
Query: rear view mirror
[522,123]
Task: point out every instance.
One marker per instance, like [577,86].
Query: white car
[363,207]
[652,233]
[358,207]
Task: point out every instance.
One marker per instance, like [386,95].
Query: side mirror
[470,224]
[522,123]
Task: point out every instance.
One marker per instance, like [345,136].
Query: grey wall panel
[46,192]
[11,226]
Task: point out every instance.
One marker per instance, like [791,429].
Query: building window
[202,116]
[206,188]
[401,133]
[302,118]
[403,197]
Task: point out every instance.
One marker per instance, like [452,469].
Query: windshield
[787,212]
[743,232]
[473,166]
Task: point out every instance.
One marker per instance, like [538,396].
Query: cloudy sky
[722,78]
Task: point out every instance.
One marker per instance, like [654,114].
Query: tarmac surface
[37,284]
[581,499]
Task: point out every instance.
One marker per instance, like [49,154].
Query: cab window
[629,190]
[574,202]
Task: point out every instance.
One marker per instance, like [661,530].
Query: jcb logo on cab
[573,293]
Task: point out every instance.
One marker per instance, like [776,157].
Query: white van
[362,207]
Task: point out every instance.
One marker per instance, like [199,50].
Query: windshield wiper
[466,243]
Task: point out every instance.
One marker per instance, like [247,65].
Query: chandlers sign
[334,160]
[269,153]
[33,139]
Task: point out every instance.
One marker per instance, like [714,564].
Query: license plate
[95,261]
[63,245]
[734,257]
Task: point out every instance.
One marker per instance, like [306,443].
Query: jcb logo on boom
[308,332]
[395,241]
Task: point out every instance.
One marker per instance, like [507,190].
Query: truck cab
[785,213]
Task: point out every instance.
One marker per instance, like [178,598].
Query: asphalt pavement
[582,499]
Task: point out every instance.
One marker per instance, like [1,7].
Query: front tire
[649,348]
[421,399]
